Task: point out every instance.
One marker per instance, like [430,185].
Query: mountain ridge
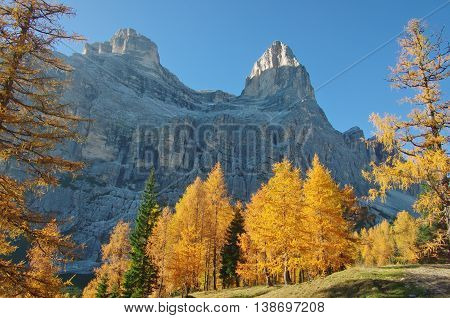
[145,117]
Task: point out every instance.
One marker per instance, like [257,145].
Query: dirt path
[435,279]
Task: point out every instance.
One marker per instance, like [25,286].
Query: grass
[389,281]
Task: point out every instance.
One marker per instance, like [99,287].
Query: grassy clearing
[388,281]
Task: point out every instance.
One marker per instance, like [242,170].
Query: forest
[297,227]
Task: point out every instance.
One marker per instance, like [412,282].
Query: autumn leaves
[386,244]
[292,228]
[295,226]
[193,237]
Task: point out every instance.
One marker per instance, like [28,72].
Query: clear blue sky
[213,44]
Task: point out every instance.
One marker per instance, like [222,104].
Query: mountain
[143,116]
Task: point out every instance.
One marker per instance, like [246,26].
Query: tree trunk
[286,274]
[268,280]
[215,267]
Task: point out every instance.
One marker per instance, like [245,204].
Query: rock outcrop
[144,117]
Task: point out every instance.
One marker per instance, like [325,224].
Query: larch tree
[250,268]
[231,251]
[366,247]
[331,243]
[45,264]
[159,248]
[382,244]
[192,219]
[275,221]
[190,209]
[418,144]
[185,263]
[115,263]
[354,213]
[405,231]
[33,121]
[220,213]
[140,279]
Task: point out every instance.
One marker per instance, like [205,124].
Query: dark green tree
[141,276]
[231,251]
[102,287]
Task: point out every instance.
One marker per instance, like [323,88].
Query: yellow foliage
[33,121]
[405,231]
[377,245]
[115,262]
[275,221]
[330,242]
[218,215]
[43,280]
[158,248]
[187,245]
[186,261]
[418,143]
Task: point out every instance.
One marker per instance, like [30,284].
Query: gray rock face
[144,117]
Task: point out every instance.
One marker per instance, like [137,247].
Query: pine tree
[140,279]
[102,287]
[231,252]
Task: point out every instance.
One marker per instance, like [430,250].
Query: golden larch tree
[331,245]
[219,212]
[405,231]
[159,248]
[191,216]
[250,268]
[33,121]
[380,246]
[185,262]
[418,144]
[45,264]
[275,221]
[115,262]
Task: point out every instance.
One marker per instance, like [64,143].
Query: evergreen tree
[231,251]
[102,288]
[141,276]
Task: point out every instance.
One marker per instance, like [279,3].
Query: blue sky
[213,44]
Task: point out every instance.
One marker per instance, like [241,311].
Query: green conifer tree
[141,276]
[231,251]
[102,288]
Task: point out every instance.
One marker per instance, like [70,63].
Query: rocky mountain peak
[127,41]
[276,71]
[277,55]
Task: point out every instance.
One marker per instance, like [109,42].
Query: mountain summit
[278,71]
[277,55]
[144,117]
[127,41]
